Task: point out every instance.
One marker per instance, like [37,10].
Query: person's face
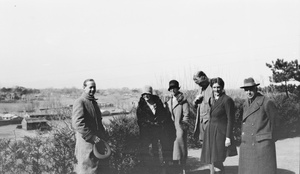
[147,97]
[90,88]
[217,89]
[199,81]
[174,91]
[250,92]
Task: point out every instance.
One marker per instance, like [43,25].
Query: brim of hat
[250,86]
[146,93]
[173,87]
[99,155]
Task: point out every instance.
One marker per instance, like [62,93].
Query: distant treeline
[22,93]
[16,93]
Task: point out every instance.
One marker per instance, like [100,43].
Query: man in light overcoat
[257,149]
[201,103]
[87,123]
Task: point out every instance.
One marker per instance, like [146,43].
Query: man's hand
[96,139]
[198,99]
[227,142]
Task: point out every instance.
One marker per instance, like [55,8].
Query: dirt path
[288,159]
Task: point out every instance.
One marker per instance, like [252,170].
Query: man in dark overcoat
[87,123]
[257,149]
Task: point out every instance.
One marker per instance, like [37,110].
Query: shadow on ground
[195,167]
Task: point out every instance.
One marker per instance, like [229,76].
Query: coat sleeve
[272,114]
[142,119]
[185,112]
[229,108]
[79,121]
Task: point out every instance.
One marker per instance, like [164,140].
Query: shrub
[289,115]
[23,156]
[60,150]
[53,154]
[191,141]
[238,102]
[124,141]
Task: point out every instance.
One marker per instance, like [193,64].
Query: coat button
[243,133]
[252,124]
[253,144]
[252,134]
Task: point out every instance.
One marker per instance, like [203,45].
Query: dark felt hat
[173,84]
[249,82]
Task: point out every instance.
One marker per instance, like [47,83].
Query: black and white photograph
[150,87]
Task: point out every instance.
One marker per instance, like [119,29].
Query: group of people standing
[164,125]
[168,123]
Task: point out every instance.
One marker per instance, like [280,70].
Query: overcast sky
[132,43]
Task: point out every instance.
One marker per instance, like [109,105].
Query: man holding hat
[155,125]
[87,123]
[201,103]
[257,149]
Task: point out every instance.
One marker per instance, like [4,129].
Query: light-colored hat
[249,82]
[147,90]
[101,150]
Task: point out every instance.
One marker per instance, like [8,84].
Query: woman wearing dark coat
[155,125]
[218,136]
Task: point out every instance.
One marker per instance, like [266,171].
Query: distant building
[8,119]
[106,104]
[8,116]
[113,111]
[105,112]
[34,123]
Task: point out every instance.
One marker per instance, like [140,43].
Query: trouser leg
[220,166]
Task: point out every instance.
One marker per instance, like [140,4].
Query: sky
[133,43]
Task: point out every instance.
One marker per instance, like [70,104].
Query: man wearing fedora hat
[257,149]
[201,103]
[87,123]
[155,126]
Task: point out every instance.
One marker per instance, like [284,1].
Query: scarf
[86,96]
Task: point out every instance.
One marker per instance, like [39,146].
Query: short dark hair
[218,80]
[200,74]
[88,80]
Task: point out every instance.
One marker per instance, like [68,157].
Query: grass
[11,132]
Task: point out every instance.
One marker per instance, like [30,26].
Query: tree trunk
[286,90]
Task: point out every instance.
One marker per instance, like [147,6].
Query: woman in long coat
[257,149]
[218,136]
[154,124]
[179,110]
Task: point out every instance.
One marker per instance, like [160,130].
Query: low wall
[8,122]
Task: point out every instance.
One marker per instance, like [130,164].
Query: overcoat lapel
[253,107]
[148,110]
[217,103]
[174,103]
